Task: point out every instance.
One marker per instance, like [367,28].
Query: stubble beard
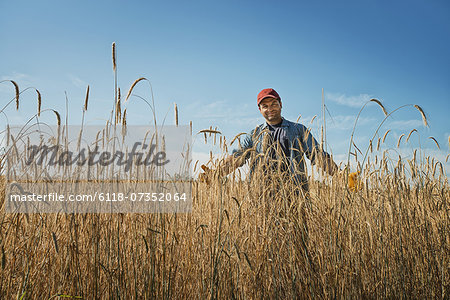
[274,118]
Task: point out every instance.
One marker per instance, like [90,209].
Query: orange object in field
[353,181]
[204,177]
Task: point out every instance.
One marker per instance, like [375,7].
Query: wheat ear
[39,102]
[132,87]
[86,100]
[16,87]
[422,113]
[437,144]
[114,55]
[380,105]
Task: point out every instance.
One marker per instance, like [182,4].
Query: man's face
[270,109]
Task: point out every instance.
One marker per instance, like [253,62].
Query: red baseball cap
[267,93]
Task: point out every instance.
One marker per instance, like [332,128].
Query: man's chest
[278,137]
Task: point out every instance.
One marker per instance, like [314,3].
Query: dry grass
[16,88]
[436,142]
[132,87]
[114,56]
[388,239]
[86,100]
[175,108]
[39,102]
[422,114]
[380,105]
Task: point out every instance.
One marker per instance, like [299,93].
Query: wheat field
[386,238]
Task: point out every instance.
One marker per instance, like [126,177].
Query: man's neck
[275,122]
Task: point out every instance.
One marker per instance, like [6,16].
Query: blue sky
[213,57]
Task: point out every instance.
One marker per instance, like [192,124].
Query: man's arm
[230,163]
[233,161]
[316,155]
[239,156]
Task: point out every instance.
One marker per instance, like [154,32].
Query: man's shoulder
[293,125]
[258,128]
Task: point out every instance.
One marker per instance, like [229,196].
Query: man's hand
[226,166]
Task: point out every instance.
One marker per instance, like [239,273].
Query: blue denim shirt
[300,141]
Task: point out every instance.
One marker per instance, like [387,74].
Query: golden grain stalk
[124,120]
[124,123]
[209,131]
[400,139]
[119,99]
[422,113]
[441,168]
[437,144]
[236,137]
[86,99]
[357,148]
[381,105]
[176,114]
[58,117]
[118,107]
[132,87]
[409,135]
[114,56]
[385,134]
[16,87]
[39,102]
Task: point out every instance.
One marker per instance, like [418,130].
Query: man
[276,150]
[280,145]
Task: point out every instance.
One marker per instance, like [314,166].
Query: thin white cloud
[78,82]
[447,138]
[222,109]
[346,122]
[15,76]
[22,80]
[351,101]
[404,124]
[340,122]
[229,118]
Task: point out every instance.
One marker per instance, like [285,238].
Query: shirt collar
[284,123]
